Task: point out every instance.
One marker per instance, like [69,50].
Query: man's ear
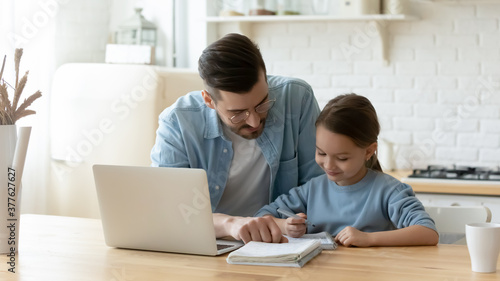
[208,99]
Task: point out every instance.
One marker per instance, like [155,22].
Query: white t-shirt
[247,188]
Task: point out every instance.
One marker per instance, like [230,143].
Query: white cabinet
[492,202]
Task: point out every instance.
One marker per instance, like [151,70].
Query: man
[253,134]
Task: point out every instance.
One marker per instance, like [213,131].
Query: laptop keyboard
[222,246]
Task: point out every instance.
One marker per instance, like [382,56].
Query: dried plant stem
[5,108]
[3,65]
[24,113]
[17,61]
[3,120]
[10,113]
[4,98]
[27,102]
[3,116]
[19,90]
[6,116]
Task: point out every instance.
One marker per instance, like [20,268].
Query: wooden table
[65,248]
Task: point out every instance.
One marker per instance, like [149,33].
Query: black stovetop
[457,173]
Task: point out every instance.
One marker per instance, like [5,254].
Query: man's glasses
[261,108]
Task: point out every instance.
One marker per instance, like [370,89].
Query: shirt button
[225,150]
[217,187]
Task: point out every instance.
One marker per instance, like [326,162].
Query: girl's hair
[353,116]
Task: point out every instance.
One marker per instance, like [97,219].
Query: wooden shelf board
[308,18]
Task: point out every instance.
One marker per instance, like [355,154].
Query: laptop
[158,209]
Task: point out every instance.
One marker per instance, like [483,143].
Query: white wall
[438,100]
[51,32]
[81,31]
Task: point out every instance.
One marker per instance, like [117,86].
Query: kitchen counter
[448,186]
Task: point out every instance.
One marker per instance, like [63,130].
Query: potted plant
[13,147]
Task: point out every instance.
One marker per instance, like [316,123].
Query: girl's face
[341,159]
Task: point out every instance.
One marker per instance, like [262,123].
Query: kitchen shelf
[243,23]
[461,1]
[309,18]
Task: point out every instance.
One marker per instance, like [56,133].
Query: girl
[354,200]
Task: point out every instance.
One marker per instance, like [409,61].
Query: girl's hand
[350,236]
[295,227]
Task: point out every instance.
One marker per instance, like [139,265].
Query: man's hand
[262,229]
[249,229]
[350,236]
[296,227]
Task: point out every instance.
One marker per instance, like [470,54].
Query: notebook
[325,238]
[158,209]
[292,254]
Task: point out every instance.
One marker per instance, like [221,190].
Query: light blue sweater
[376,203]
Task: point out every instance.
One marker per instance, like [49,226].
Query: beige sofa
[104,114]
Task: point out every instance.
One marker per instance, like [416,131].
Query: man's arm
[248,228]
[169,149]
[306,147]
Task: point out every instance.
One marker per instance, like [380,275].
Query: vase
[13,147]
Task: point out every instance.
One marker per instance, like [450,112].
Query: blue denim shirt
[190,135]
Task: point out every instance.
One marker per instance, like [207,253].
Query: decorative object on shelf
[359,7]
[321,7]
[137,31]
[133,54]
[262,8]
[288,7]
[229,8]
[394,7]
[379,21]
[13,147]
[135,41]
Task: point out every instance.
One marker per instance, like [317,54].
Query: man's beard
[251,135]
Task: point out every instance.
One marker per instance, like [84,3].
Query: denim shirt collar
[214,126]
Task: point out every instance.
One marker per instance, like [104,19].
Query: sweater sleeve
[405,209]
[294,201]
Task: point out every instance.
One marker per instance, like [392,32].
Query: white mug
[483,242]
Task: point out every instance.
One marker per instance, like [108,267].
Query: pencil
[290,214]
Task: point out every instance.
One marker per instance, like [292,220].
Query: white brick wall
[455,154]
[436,54]
[478,140]
[438,99]
[459,68]
[416,68]
[349,81]
[475,26]
[393,82]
